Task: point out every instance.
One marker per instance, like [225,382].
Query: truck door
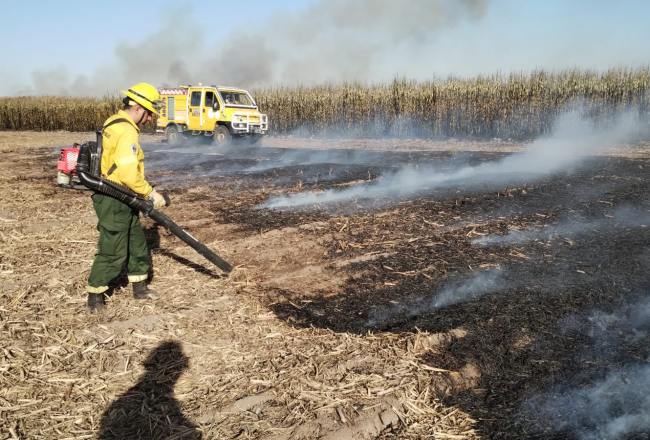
[195,115]
[211,110]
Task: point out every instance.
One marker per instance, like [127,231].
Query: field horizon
[514,106]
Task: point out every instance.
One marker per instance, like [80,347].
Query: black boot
[141,291]
[95,302]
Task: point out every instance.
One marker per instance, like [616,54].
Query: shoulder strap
[114,121]
[113,167]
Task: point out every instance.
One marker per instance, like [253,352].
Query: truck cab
[222,113]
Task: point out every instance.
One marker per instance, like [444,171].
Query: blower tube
[128,197]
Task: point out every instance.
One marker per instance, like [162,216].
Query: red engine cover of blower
[68,160]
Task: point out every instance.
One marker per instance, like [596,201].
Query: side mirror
[215,105]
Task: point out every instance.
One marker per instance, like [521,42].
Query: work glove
[157,199]
[168,200]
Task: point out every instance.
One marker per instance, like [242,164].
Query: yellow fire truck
[222,113]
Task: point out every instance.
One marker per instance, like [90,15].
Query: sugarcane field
[325,220]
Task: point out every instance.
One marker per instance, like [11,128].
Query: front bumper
[242,124]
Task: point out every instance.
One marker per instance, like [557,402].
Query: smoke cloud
[477,285]
[166,57]
[575,137]
[337,40]
[364,40]
[330,41]
[308,166]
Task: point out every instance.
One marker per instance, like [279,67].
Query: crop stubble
[281,348]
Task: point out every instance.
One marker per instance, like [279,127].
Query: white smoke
[626,216]
[477,285]
[609,409]
[612,407]
[307,157]
[574,138]
[204,160]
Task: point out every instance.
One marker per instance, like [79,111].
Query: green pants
[121,241]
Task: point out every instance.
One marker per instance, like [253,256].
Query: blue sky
[85,47]
[44,33]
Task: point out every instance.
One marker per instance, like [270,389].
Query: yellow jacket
[122,157]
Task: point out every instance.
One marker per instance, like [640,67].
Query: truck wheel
[222,135]
[172,135]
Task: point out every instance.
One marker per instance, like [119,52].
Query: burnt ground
[333,324]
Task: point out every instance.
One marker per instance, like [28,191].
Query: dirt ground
[327,327]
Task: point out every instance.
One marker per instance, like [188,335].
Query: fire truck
[223,113]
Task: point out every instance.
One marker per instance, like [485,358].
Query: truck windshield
[237,98]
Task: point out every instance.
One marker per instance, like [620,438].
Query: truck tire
[222,135]
[172,135]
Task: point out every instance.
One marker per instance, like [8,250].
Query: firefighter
[121,238]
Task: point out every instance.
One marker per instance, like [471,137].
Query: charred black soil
[512,282]
[583,259]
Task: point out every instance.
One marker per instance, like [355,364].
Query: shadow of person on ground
[189,263]
[152,234]
[149,410]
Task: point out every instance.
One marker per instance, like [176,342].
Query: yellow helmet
[145,95]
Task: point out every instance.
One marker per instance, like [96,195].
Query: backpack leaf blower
[88,172]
